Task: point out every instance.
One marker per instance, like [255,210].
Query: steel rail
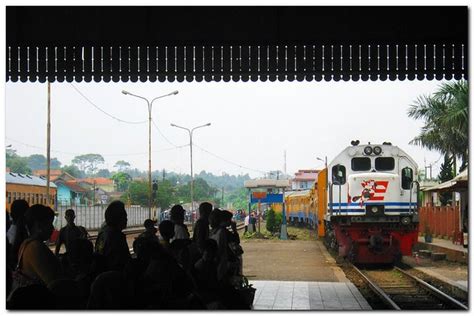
[439,294]
[377,290]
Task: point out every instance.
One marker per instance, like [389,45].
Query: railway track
[400,290]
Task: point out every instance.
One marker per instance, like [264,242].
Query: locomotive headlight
[377,150]
[406,220]
[374,209]
[368,150]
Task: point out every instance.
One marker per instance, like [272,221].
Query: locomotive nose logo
[372,191]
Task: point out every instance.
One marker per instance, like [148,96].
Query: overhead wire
[98,108]
[228,161]
[106,155]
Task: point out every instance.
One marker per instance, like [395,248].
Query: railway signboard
[264,197]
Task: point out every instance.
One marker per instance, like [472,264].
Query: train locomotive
[371,215]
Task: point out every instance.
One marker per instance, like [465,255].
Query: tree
[88,163]
[445,174]
[122,165]
[270,225]
[38,162]
[446,121]
[73,171]
[105,173]
[165,194]
[138,192]
[16,163]
[122,180]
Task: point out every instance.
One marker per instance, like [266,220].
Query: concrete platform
[301,295]
[456,253]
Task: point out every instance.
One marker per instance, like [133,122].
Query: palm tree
[446,118]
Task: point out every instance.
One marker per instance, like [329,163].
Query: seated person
[36,262]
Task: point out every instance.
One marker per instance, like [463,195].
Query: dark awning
[235,43]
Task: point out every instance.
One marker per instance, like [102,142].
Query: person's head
[18,210]
[209,249]
[177,214]
[215,218]
[116,215]
[166,229]
[226,218]
[205,209]
[70,215]
[150,226]
[144,248]
[39,220]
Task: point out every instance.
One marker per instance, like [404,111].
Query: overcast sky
[252,123]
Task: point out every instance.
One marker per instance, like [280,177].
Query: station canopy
[266,183]
[257,43]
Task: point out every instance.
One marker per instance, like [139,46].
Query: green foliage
[445,174]
[88,163]
[270,218]
[122,165]
[121,180]
[138,192]
[446,120]
[105,173]
[165,194]
[16,163]
[278,221]
[38,162]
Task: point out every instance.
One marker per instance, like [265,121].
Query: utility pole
[222,201]
[164,174]
[48,144]
[284,164]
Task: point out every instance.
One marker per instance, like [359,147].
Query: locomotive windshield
[384,163]
[360,164]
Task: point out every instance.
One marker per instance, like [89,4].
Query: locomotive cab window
[384,163]
[339,174]
[407,178]
[360,164]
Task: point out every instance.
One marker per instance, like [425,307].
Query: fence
[92,217]
[443,221]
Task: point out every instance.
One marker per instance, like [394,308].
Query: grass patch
[294,233]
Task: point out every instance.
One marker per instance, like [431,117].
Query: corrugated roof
[18,178]
[458,182]
[99,180]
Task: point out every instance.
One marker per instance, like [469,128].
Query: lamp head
[208,124]
[174,92]
[125,92]
[173,125]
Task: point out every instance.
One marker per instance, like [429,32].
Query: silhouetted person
[219,235]
[36,262]
[205,272]
[80,259]
[108,291]
[67,294]
[201,228]
[70,232]
[177,217]
[150,230]
[18,231]
[166,228]
[111,243]
[31,297]
[234,250]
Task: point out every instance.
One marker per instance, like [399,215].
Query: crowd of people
[172,270]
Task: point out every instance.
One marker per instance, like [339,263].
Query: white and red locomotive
[372,209]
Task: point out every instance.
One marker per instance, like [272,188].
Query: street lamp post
[150,105]
[190,131]
[325,166]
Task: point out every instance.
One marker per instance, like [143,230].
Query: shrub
[271,220]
